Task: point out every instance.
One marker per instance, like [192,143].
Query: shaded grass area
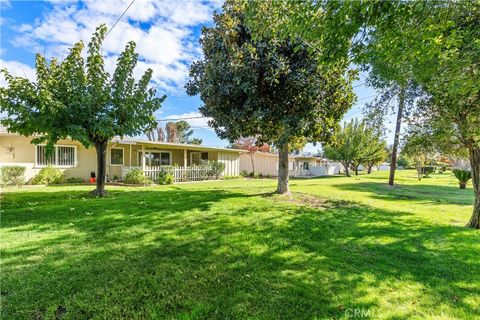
[231,250]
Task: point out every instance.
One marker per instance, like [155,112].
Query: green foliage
[404,161]
[354,144]
[216,168]
[76,98]
[49,175]
[462,175]
[12,175]
[136,176]
[244,173]
[426,171]
[272,89]
[231,177]
[195,141]
[165,177]
[74,180]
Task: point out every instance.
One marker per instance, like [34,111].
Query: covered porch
[152,157]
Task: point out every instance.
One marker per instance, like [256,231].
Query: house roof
[171,145]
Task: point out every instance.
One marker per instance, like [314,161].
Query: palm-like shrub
[463,176]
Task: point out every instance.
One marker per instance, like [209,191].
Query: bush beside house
[136,176]
[48,175]
[12,176]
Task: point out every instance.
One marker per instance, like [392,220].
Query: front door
[195,158]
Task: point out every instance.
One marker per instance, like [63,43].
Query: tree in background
[156,134]
[346,145]
[419,146]
[78,100]
[427,43]
[446,51]
[184,133]
[375,153]
[171,130]
[176,132]
[252,146]
[271,88]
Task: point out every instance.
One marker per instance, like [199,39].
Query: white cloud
[198,122]
[162,31]
[16,69]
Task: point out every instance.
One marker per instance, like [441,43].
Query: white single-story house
[266,163]
[122,155]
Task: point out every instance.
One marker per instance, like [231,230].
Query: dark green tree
[78,99]
[271,88]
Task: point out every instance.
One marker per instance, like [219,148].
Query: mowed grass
[340,248]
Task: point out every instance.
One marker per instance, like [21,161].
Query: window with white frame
[116,156]
[62,156]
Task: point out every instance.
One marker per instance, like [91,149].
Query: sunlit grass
[230,249]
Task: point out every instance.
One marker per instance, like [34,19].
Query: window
[155,158]
[116,156]
[62,156]
[165,158]
[205,156]
[195,158]
[306,165]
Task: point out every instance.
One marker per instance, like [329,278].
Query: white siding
[265,163]
[232,163]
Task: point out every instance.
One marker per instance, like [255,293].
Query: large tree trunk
[356,170]
[393,162]
[282,187]
[369,169]
[101,149]
[474,153]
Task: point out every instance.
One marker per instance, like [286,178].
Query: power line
[177,119]
[358,85]
[121,16]
[366,98]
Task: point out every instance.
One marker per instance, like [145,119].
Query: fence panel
[181,174]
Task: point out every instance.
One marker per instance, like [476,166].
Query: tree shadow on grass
[231,255]
[416,192]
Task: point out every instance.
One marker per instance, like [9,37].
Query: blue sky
[166,33]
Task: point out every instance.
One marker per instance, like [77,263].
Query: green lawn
[230,250]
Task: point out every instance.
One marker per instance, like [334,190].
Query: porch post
[185,158]
[130,157]
[143,158]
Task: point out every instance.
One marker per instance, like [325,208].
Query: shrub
[12,176]
[74,180]
[463,176]
[426,171]
[244,173]
[49,175]
[136,176]
[231,177]
[216,168]
[165,177]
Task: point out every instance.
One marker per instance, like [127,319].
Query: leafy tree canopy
[76,98]
[271,88]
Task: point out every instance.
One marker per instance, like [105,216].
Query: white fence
[180,174]
[316,171]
